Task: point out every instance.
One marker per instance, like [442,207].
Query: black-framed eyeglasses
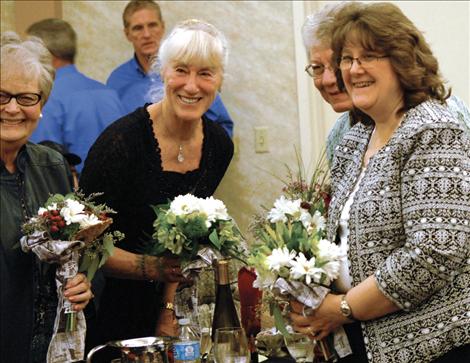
[23,99]
[316,70]
[365,61]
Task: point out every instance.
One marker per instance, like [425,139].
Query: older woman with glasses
[316,34]
[401,199]
[29,173]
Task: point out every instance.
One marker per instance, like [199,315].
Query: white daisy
[302,267]
[283,206]
[280,257]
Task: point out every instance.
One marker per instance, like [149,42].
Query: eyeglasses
[23,99]
[316,70]
[365,61]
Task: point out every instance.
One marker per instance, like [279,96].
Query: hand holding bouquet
[292,258]
[66,229]
[198,231]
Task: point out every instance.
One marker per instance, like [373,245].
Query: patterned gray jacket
[410,226]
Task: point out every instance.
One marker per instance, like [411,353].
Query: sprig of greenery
[96,254]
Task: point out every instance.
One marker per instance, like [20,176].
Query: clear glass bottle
[187,347]
[225,314]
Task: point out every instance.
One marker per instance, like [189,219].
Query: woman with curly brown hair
[401,198]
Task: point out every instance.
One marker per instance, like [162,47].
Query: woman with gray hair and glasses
[29,173]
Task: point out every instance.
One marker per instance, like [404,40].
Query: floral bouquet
[198,231]
[291,255]
[69,228]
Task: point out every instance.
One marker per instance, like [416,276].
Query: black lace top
[125,164]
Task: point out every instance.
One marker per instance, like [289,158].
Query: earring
[40,115]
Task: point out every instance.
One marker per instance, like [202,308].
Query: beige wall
[7,14]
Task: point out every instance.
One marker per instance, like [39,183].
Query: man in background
[144,28]
[79,108]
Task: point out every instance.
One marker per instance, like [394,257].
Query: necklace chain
[180,156]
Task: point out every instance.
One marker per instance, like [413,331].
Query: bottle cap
[184,321]
[222,272]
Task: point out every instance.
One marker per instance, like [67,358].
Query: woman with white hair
[29,173]
[148,157]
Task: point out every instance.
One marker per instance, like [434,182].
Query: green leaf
[92,269]
[56,198]
[86,262]
[215,239]
[279,320]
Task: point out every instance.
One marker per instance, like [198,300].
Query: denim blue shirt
[78,110]
[133,85]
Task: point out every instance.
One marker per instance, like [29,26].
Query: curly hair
[383,26]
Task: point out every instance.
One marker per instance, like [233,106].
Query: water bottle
[187,348]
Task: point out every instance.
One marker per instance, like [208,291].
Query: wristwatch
[345,308]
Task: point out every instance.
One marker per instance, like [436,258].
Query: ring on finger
[311,331]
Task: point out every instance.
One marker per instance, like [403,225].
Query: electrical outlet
[261,139]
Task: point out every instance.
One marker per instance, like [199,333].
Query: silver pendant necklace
[180,156]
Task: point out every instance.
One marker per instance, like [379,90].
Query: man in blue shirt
[144,28]
[79,108]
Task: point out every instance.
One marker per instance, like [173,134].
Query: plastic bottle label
[186,350]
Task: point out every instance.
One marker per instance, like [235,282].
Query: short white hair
[191,41]
[30,58]
[318,27]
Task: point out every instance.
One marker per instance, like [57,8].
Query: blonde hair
[30,58]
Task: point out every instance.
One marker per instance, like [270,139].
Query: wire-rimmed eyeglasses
[365,61]
[316,70]
[23,99]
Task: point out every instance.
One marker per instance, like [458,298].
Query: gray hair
[30,58]
[58,35]
[317,29]
[191,41]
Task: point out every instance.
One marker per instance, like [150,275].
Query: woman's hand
[318,323]
[167,325]
[78,291]
[166,269]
